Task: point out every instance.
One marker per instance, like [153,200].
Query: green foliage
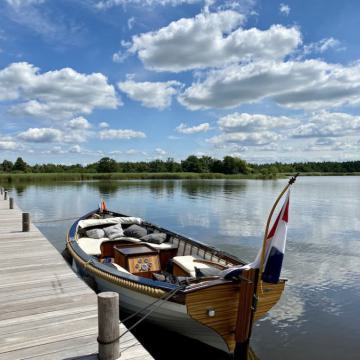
[20,165]
[6,166]
[107,165]
[233,165]
[192,167]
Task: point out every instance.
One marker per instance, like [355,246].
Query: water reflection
[322,260]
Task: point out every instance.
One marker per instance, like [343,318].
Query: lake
[319,312]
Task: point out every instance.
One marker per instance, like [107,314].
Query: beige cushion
[163,246]
[187,264]
[109,221]
[92,246]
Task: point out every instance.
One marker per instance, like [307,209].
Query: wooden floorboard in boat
[46,311]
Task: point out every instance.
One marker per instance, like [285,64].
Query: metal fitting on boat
[211,312]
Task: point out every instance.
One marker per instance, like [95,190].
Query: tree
[106,165]
[20,165]
[172,166]
[191,164]
[234,165]
[7,166]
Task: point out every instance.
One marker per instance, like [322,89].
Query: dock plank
[46,310]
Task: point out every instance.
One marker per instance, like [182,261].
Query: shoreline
[54,177]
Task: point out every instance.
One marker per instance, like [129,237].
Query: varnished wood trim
[270,296]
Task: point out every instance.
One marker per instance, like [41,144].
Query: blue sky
[145,79]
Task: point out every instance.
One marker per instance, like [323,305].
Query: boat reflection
[165,345]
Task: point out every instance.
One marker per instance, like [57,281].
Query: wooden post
[25,222]
[11,203]
[108,323]
[5,195]
[245,314]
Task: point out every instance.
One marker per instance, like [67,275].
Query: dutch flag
[274,249]
[275,246]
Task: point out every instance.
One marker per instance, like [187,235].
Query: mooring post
[108,324]
[5,195]
[11,203]
[25,222]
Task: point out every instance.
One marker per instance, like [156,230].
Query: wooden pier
[46,310]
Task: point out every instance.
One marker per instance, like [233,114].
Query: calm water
[318,316]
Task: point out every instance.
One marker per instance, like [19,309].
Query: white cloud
[160,151]
[240,130]
[107,4]
[328,124]
[312,84]
[51,135]
[151,94]
[211,40]
[55,150]
[57,94]
[322,46]
[184,129]
[19,3]
[331,144]
[115,152]
[284,9]
[131,22]
[103,125]
[132,152]
[48,23]
[247,139]
[75,136]
[119,56]
[9,145]
[120,134]
[79,123]
[76,149]
[41,135]
[243,122]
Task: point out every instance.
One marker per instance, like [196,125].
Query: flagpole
[262,260]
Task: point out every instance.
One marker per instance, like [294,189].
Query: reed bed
[46,177]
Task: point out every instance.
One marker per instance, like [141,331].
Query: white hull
[169,315]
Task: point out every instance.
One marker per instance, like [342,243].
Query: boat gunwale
[88,259]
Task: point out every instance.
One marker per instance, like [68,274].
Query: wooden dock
[46,310]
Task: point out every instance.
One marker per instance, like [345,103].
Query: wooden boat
[196,296]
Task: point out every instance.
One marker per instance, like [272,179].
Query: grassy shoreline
[8,178]
[39,177]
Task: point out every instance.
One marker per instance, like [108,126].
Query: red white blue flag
[274,249]
[275,246]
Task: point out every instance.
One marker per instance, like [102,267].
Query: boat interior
[134,246]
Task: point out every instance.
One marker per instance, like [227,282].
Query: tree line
[195,164]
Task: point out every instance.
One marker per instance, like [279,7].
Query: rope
[169,295]
[146,307]
[55,220]
[130,346]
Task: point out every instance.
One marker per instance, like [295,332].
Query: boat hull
[169,315]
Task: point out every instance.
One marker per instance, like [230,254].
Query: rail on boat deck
[46,311]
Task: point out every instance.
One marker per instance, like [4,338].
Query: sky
[263,80]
